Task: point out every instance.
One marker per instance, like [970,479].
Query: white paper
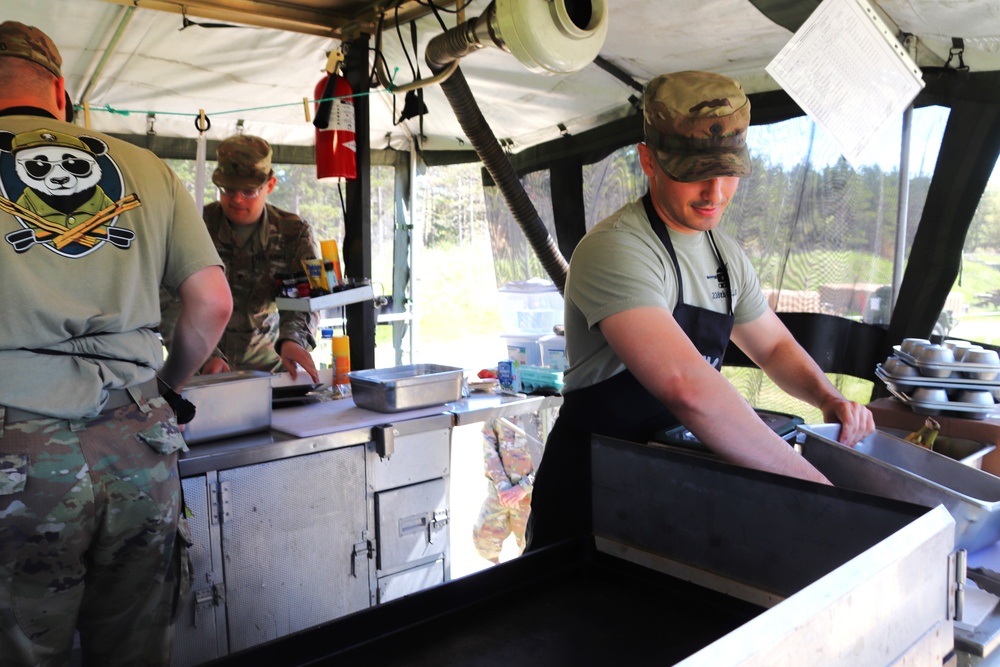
[846,70]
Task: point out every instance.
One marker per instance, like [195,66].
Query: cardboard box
[892,413]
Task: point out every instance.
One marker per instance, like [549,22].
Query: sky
[784,142]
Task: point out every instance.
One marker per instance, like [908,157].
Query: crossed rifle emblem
[60,236]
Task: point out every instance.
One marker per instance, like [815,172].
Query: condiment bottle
[323,354]
[301,285]
[331,252]
[331,275]
[285,284]
[341,360]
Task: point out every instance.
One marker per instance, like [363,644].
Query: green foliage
[984,232]
[835,267]
[454,211]
[459,298]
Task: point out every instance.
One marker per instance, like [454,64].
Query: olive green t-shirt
[90,227]
[621,264]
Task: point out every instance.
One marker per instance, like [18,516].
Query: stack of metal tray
[956,377]
[406,387]
[887,466]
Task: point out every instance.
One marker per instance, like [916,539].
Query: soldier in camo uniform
[256,241]
[654,294]
[92,538]
[511,472]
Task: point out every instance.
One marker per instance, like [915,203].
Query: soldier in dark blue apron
[694,154]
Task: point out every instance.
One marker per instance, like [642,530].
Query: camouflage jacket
[506,457]
[280,244]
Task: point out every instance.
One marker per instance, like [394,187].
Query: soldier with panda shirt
[92,537]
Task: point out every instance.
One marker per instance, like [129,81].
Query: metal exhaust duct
[547,37]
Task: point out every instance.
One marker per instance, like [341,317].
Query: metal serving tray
[948,408]
[967,452]
[406,387]
[887,466]
[228,404]
[958,368]
[902,383]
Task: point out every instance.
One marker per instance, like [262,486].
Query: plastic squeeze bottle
[331,253]
[341,359]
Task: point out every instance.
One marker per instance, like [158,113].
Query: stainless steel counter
[480,407]
[259,447]
[356,502]
[334,424]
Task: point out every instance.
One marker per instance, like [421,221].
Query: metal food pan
[228,404]
[890,467]
[968,452]
[406,387]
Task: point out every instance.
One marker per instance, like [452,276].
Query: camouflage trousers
[496,522]
[89,522]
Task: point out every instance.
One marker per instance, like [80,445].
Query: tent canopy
[251,63]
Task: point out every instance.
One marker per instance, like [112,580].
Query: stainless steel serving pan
[963,450]
[228,404]
[406,387]
[890,467]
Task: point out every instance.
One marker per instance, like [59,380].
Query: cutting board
[304,421]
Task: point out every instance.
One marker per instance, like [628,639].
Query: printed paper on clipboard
[848,71]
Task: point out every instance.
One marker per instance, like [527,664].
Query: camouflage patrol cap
[25,41]
[696,125]
[244,161]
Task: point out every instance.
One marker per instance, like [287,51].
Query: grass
[978,327]
[764,394]
[980,274]
[805,271]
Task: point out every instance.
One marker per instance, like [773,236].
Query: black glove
[183,409]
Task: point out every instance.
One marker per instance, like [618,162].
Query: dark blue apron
[619,407]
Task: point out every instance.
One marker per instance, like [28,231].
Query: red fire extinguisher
[336,147]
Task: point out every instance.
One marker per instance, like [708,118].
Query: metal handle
[385,440]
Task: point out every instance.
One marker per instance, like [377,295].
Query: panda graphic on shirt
[66,193]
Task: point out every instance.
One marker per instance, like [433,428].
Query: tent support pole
[899,258]
[357,247]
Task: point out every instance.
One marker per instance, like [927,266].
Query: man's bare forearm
[206,304]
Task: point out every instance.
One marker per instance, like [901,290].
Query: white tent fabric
[258,77]
[157,67]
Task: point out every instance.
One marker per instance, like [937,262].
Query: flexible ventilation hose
[441,52]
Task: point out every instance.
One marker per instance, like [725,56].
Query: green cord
[127,112]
